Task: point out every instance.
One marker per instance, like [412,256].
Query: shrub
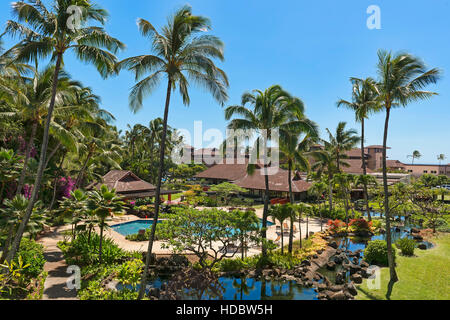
[376,223]
[336,224]
[130,272]
[376,253]
[32,254]
[406,246]
[360,224]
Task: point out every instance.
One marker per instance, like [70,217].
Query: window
[432,171]
[410,171]
[425,171]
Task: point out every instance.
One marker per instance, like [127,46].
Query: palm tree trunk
[291,199]
[157,193]
[27,157]
[265,212]
[392,271]
[366,195]
[101,243]
[307,226]
[52,203]
[282,238]
[82,170]
[40,172]
[52,154]
[1,192]
[300,228]
[330,192]
[7,243]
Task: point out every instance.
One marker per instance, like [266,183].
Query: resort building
[129,185]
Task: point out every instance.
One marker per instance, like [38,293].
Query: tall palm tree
[343,140]
[402,78]
[272,109]
[366,180]
[281,213]
[318,189]
[364,102]
[415,155]
[441,158]
[49,35]
[181,52]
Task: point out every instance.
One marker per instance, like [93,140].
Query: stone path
[55,287]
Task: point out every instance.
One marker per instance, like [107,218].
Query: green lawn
[424,277]
[174,196]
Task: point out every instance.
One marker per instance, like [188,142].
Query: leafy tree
[225,190]
[281,213]
[247,228]
[366,180]
[76,208]
[49,34]
[415,155]
[402,78]
[10,167]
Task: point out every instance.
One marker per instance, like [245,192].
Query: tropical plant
[49,34]
[180,53]
[104,203]
[415,155]
[281,213]
[402,78]
[364,102]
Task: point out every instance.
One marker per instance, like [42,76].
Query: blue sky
[310,48]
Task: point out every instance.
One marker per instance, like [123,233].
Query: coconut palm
[46,33]
[364,102]
[415,155]
[365,181]
[342,141]
[104,203]
[402,78]
[441,158]
[182,54]
[281,213]
[318,190]
[299,210]
[272,110]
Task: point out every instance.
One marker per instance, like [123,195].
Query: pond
[249,289]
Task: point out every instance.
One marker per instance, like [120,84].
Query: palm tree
[281,213]
[343,183]
[415,155]
[318,189]
[441,158]
[401,80]
[181,53]
[299,209]
[366,180]
[48,34]
[364,102]
[273,109]
[342,141]
[104,203]
[325,163]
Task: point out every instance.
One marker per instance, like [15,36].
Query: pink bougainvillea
[66,186]
[27,190]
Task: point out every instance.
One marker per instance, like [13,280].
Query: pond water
[249,289]
[133,227]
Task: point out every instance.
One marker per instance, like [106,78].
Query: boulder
[356,278]
[364,264]
[415,230]
[338,296]
[354,268]
[306,263]
[352,289]
[340,278]
[336,288]
[422,246]
[154,292]
[331,265]
[333,244]
[417,237]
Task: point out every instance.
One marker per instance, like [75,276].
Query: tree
[76,208]
[364,102]
[325,163]
[180,54]
[281,213]
[104,203]
[415,155]
[401,80]
[50,35]
[318,190]
[247,227]
[272,109]
[10,167]
[209,235]
[343,183]
[299,209]
[366,180]
[225,190]
[341,142]
[441,158]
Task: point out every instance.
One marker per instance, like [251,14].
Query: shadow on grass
[368,294]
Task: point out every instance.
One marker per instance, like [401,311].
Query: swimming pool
[133,227]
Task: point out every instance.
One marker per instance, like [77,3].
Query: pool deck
[141,246]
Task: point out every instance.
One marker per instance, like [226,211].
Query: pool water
[133,227]
[248,289]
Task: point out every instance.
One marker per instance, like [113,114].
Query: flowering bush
[65,187]
[335,225]
[360,224]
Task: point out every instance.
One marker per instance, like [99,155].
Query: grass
[175,196]
[423,277]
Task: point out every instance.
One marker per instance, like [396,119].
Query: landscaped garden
[322,233]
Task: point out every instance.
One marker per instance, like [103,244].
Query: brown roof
[355,153]
[377,147]
[355,166]
[277,182]
[124,182]
[228,172]
[394,164]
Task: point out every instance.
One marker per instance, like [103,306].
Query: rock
[317,276]
[331,265]
[364,264]
[333,244]
[354,268]
[154,292]
[340,278]
[417,236]
[319,251]
[364,273]
[422,246]
[415,230]
[315,256]
[352,289]
[321,287]
[306,263]
[336,288]
[356,278]
[338,296]
[397,229]
[288,278]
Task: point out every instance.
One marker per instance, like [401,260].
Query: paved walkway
[55,287]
